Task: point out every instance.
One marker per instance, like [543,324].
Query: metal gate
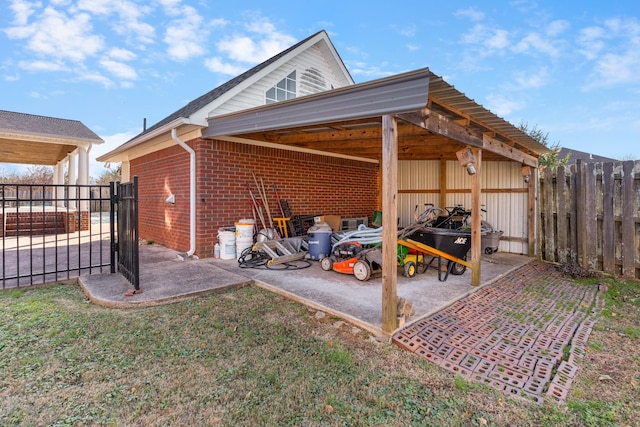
[53,233]
[124,202]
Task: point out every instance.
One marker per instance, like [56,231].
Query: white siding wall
[506,211]
[311,59]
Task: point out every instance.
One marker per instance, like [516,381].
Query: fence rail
[52,232]
[590,215]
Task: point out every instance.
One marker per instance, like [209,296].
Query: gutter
[192,195]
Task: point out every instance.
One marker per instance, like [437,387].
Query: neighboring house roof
[196,112]
[575,155]
[33,139]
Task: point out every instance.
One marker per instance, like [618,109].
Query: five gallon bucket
[227,240]
[319,241]
[244,235]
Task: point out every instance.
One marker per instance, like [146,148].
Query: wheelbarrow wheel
[326,263]
[409,269]
[362,270]
[457,269]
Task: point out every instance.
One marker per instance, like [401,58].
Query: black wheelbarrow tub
[454,242]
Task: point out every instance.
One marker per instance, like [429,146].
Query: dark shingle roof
[200,102]
[576,155]
[22,123]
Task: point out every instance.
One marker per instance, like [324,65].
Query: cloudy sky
[571,69]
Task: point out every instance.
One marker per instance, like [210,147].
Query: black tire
[409,269]
[457,269]
[362,271]
[326,263]
[488,251]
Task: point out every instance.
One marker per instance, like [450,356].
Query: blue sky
[570,68]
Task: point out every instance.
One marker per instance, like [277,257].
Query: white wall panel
[506,211]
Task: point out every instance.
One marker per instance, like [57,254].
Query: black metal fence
[125,196]
[53,232]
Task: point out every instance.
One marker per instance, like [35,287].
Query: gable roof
[41,140]
[575,155]
[183,115]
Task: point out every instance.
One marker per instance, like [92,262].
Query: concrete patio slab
[166,278]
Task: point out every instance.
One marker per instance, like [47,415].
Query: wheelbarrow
[440,243]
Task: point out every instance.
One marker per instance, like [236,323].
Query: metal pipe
[192,192]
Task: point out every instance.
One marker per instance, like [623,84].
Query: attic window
[285,89]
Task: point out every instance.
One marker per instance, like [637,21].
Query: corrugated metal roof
[404,93]
[451,97]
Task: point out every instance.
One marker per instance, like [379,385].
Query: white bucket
[227,240]
[244,235]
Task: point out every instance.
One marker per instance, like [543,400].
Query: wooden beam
[389,222]
[505,150]
[476,218]
[437,123]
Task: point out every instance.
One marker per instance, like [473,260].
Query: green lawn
[248,357]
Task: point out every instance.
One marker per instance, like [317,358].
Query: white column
[72,180]
[125,171]
[60,190]
[83,178]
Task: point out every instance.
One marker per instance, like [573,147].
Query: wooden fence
[590,216]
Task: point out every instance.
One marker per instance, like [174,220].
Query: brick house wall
[311,183]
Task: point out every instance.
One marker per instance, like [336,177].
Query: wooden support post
[532,219]
[389,169]
[476,218]
[443,183]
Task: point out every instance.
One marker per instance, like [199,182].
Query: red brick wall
[161,174]
[312,184]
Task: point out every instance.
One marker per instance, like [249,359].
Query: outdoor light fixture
[171,199]
[526,173]
[466,159]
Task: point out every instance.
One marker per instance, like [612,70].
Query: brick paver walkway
[524,334]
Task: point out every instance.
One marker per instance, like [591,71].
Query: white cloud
[471,12]
[412,47]
[263,43]
[22,10]
[121,54]
[532,80]
[614,49]
[216,65]
[57,35]
[557,27]
[96,77]
[97,169]
[502,106]
[130,15]
[590,39]
[489,40]
[186,35]
[536,42]
[40,65]
[119,69]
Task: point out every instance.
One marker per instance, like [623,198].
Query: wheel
[409,269]
[361,270]
[488,251]
[326,263]
[458,269]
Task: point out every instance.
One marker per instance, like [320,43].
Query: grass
[249,357]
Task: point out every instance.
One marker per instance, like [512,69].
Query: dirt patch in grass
[249,357]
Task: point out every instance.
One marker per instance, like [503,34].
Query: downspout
[192,194]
